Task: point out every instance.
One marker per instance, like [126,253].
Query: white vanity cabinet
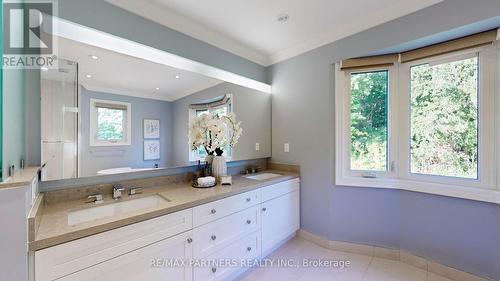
[71,257]
[238,228]
[156,262]
[280,213]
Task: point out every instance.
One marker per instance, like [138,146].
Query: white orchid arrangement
[214,132]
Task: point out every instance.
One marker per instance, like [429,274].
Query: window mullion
[403,153]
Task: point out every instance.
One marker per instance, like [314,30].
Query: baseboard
[392,254]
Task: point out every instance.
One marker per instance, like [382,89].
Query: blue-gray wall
[103,16]
[93,159]
[458,233]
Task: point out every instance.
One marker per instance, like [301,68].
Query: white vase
[209,158]
[219,167]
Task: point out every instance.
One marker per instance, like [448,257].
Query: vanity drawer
[218,209]
[222,265]
[58,261]
[216,235]
[278,189]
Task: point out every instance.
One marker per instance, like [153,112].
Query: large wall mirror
[105,112]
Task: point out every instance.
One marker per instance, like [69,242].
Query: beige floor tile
[342,266]
[361,267]
[271,274]
[389,270]
[434,277]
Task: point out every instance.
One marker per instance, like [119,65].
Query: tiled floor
[362,268]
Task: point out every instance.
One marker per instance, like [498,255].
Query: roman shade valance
[111,105]
[374,61]
[468,42]
[225,99]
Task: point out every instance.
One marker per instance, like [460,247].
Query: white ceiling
[126,75]
[250,28]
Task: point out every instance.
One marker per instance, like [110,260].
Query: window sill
[109,144]
[463,192]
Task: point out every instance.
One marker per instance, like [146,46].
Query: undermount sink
[113,209]
[263,176]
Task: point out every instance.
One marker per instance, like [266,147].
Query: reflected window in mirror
[222,106]
[110,123]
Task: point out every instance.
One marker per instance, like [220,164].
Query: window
[369,96]
[220,106]
[424,125]
[444,118]
[109,123]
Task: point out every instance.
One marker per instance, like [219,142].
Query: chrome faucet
[117,191]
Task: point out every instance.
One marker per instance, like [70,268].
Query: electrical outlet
[257,146]
[287,147]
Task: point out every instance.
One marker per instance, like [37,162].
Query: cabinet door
[280,218]
[159,261]
[229,263]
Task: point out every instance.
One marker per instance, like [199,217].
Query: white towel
[206,181]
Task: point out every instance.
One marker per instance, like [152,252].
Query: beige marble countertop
[52,219]
[20,178]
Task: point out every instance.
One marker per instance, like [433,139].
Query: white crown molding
[163,16]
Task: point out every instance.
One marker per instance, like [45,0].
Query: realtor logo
[28,40]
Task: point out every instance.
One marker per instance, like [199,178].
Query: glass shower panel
[59,119]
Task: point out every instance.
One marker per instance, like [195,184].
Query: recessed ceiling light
[44,68]
[282,18]
[88,76]
[157,88]
[177,77]
[94,57]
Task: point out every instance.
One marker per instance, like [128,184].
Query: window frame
[343,120]
[399,128]
[93,128]
[193,156]
[485,124]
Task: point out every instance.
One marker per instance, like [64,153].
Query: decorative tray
[195,185]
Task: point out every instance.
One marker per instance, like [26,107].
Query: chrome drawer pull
[249,199]
[214,237]
[249,249]
[214,269]
[213,211]
[264,209]
[249,221]
[190,240]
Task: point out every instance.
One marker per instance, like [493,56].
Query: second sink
[263,176]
